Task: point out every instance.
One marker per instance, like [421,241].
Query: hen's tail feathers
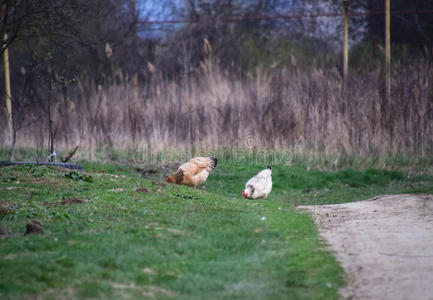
[269,167]
[178,176]
[214,162]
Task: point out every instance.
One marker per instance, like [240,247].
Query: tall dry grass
[278,109]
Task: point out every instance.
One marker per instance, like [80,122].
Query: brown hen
[194,172]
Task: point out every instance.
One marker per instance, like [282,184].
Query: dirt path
[384,244]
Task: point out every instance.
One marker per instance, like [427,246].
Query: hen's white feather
[260,185]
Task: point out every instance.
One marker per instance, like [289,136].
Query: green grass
[169,241]
[297,185]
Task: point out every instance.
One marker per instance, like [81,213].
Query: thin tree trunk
[387,51]
[8,96]
[345,42]
[14,143]
[52,153]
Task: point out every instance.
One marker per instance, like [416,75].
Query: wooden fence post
[345,42]
[387,52]
[8,91]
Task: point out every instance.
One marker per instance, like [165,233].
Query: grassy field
[113,233]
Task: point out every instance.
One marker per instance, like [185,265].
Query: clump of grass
[74,175]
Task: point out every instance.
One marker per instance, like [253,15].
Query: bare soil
[142,189]
[70,201]
[384,244]
[34,227]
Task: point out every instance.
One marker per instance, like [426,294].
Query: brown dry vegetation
[285,108]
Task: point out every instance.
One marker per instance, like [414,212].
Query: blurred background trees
[67,53]
[74,34]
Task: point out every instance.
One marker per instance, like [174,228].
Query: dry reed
[271,109]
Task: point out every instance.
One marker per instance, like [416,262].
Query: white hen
[259,186]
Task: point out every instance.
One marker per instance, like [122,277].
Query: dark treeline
[70,38]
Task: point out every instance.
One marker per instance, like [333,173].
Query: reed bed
[284,109]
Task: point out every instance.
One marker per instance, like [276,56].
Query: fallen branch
[68,156]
